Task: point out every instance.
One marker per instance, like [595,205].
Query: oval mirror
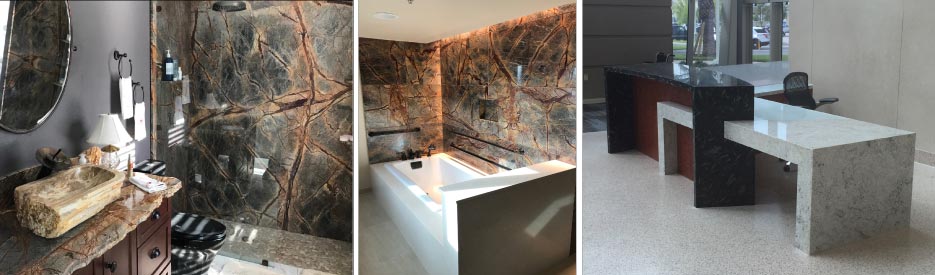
[36,53]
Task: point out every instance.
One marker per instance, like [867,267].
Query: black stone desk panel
[724,170]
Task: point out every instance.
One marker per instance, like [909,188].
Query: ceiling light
[385,15]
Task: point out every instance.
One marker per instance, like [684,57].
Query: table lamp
[109,131]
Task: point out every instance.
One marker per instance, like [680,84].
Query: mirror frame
[3,71]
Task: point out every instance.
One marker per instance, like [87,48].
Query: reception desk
[854,179]
[723,171]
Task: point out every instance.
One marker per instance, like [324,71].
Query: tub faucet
[429,150]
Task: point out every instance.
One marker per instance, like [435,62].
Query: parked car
[760,38]
[679,32]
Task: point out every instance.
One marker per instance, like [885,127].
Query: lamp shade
[109,130]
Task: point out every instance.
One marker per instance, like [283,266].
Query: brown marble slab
[271,94]
[22,252]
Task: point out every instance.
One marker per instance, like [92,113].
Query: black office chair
[795,88]
[661,57]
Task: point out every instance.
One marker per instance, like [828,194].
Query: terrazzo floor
[636,221]
[383,250]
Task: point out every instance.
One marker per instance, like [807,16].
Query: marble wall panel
[526,66]
[271,93]
[401,90]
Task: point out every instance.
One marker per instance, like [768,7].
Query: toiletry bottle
[82,159]
[178,74]
[168,66]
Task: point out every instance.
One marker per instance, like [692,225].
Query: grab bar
[391,132]
[480,157]
[514,150]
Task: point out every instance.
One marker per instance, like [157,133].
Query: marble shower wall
[270,95]
[512,84]
[401,89]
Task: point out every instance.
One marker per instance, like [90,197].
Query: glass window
[679,28]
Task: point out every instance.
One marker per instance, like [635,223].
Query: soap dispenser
[168,66]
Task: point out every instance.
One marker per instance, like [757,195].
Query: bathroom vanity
[130,236]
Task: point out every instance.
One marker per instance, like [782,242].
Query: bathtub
[426,203]
[413,200]
[436,171]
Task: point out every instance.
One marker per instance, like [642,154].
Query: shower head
[228,6]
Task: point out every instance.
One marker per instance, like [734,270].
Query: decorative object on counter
[82,159]
[130,167]
[34,69]
[109,131]
[109,158]
[94,155]
[52,206]
[52,160]
[168,67]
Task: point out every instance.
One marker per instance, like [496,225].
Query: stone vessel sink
[53,205]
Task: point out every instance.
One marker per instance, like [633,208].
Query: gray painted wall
[99,27]
[619,32]
[874,55]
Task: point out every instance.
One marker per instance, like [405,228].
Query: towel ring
[119,57]
[142,92]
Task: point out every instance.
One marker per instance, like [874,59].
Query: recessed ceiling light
[385,15]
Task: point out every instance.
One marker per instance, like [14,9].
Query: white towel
[126,97]
[139,123]
[146,183]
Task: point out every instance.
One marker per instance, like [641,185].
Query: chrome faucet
[429,151]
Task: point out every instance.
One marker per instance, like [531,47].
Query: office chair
[661,57]
[795,88]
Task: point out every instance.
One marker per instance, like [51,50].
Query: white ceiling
[430,20]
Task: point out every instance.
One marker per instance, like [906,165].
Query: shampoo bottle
[168,66]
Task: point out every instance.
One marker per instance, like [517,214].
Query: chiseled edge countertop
[679,75]
[22,252]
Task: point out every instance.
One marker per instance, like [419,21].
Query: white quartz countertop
[806,128]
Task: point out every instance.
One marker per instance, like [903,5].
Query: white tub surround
[458,220]
[854,178]
[514,222]
[668,115]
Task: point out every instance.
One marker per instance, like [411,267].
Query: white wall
[874,55]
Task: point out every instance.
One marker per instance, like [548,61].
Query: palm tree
[706,46]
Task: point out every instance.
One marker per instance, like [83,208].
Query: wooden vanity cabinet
[145,251]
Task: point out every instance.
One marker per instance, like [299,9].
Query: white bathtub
[436,171]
